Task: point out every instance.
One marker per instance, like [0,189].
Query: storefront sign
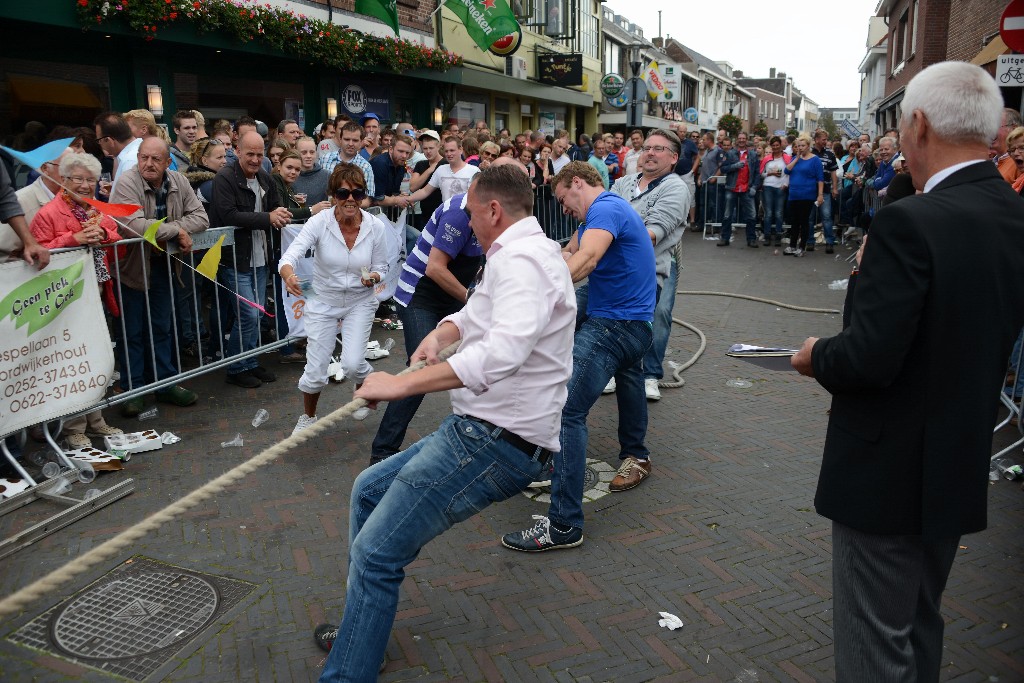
[54,359]
[360,98]
[672,82]
[564,70]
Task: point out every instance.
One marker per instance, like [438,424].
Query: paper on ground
[670,621]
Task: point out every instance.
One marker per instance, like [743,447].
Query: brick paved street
[723,534]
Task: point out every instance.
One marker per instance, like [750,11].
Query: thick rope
[54,580]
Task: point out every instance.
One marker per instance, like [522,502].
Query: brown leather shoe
[630,474]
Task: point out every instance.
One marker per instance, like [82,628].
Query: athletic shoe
[651,389]
[630,474]
[542,536]
[789,251]
[304,421]
[325,635]
[361,414]
[798,252]
[810,246]
[610,387]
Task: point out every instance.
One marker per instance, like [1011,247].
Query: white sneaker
[789,251]
[374,351]
[798,252]
[610,387]
[334,370]
[361,414]
[304,421]
[651,389]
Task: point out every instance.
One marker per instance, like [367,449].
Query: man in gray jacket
[162,193]
[663,201]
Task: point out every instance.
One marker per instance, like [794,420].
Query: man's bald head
[250,153]
[505,161]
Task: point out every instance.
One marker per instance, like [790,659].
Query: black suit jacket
[233,203]
[915,378]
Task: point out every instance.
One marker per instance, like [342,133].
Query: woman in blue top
[806,184]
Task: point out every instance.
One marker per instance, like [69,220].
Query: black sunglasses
[343,193]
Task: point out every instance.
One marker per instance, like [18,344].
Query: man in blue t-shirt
[433,285]
[613,249]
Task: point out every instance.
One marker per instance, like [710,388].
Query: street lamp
[634,113]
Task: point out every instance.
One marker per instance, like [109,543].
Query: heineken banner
[385,10]
[486,20]
[56,358]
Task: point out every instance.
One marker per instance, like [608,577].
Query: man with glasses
[116,140]
[613,248]
[186,131]
[145,276]
[663,201]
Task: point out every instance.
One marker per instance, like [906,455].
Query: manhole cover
[139,615]
[134,619]
[595,483]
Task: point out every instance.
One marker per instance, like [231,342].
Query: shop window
[36,96]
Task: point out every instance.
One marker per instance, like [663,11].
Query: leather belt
[533,451]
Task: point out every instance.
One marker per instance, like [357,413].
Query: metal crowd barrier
[557,225]
[193,300]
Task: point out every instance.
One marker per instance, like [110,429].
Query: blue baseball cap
[367,116]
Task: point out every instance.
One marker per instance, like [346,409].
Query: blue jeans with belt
[603,348]
[397,507]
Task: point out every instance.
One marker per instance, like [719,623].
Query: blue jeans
[709,203]
[417,324]
[603,348]
[245,330]
[654,359]
[397,507]
[774,198]
[187,299]
[745,212]
[138,349]
[824,212]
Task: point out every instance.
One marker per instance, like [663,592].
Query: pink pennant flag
[115,210]
[256,306]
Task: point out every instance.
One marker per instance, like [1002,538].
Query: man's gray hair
[960,100]
[891,140]
[69,162]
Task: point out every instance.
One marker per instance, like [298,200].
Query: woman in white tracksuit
[350,258]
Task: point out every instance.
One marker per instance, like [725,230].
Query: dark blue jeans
[397,507]
[744,212]
[138,348]
[245,331]
[603,348]
[417,324]
[774,198]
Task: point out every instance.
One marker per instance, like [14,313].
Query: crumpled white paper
[670,621]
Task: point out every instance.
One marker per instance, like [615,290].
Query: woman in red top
[68,221]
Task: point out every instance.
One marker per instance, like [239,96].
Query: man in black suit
[915,380]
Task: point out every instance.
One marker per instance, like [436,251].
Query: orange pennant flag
[115,210]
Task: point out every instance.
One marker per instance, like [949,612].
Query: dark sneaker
[325,635]
[778,240]
[630,474]
[177,395]
[245,380]
[809,247]
[263,375]
[133,406]
[542,536]
[829,249]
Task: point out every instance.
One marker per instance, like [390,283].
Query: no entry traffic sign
[1011,25]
